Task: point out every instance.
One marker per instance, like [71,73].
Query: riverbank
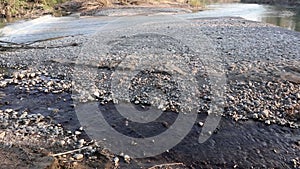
[26,10]
[292,3]
[260,123]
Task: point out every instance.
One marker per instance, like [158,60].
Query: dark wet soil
[243,144]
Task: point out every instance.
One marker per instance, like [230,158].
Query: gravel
[261,66]
[261,62]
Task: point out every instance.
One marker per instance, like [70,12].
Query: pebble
[255,116]
[127,158]
[3,84]
[77,133]
[266,113]
[200,124]
[298,95]
[116,161]
[9,110]
[62,142]
[268,122]
[2,135]
[78,156]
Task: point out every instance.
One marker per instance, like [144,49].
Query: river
[51,27]
[286,17]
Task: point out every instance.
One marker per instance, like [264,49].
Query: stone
[127,158]
[201,124]
[3,84]
[268,122]
[2,135]
[77,133]
[78,156]
[61,142]
[266,113]
[255,116]
[298,95]
[9,110]
[116,161]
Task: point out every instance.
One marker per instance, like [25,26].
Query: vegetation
[14,8]
[33,8]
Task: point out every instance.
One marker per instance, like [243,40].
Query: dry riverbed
[259,126]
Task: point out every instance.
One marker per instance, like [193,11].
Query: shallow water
[281,16]
[48,27]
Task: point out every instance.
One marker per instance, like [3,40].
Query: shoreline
[77,6]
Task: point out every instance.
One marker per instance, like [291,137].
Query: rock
[255,116]
[32,75]
[9,110]
[96,94]
[78,156]
[61,142]
[268,122]
[266,113]
[200,124]
[298,95]
[21,76]
[116,161]
[2,135]
[231,98]
[127,158]
[77,133]
[3,84]
[80,143]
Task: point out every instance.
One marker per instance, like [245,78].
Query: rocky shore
[259,126]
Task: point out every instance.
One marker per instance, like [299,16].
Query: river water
[281,16]
[51,27]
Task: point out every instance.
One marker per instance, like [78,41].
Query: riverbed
[41,86]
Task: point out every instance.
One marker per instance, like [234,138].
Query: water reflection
[281,16]
[287,18]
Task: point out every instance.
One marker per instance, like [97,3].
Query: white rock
[127,158]
[2,135]
[78,156]
[298,95]
[3,84]
[21,76]
[116,161]
[81,141]
[201,124]
[62,142]
[77,133]
[9,110]
[255,116]
[266,113]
